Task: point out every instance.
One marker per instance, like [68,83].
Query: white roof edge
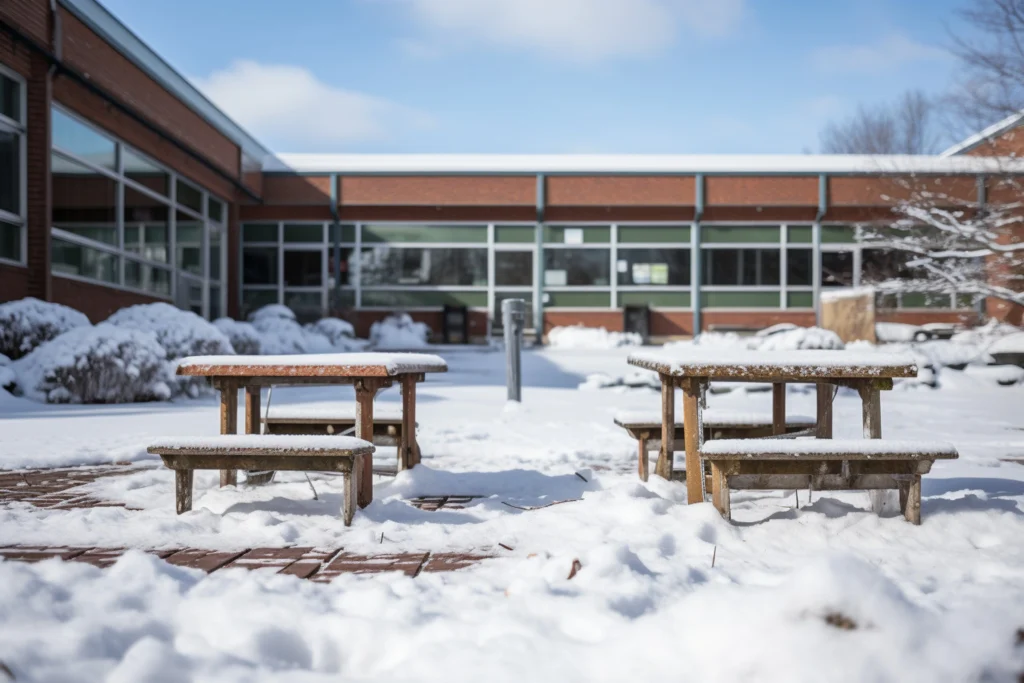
[635,163]
[997,128]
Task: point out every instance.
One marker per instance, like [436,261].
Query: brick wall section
[438,191]
[32,17]
[761,191]
[295,189]
[96,301]
[649,191]
[13,282]
[755,319]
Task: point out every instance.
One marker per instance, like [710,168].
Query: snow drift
[580,337]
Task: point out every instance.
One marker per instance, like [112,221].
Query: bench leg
[644,460]
[720,491]
[252,426]
[778,408]
[824,421]
[406,455]
[348,509]
[228,423]
[183,490]
[912,507]
[365,391]
[668,428]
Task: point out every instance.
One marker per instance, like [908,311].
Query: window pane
[259,232]
[144,172]
[257,298]
[412,266]
[878,265]
[74,259]
[83,141]
[307,306]
[302,268]
[837,269]
[798,267]
[145,226]
[83,201]
[346,266]
[10,98]
[513,268]
[259,266]
[741,267]
[215,309]
[303,233]
[653,266]
[425,233]
[10,241]
[215,209]
[189,196]
[215,233]
[577,267]
[10,172]
[189,243]
[146,277]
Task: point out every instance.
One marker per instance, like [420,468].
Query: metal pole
[513,316]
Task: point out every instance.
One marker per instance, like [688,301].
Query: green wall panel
[800,299]
[739,233]
[800,234]
[259,232]
[838,234]
[426,298]
[965,301]
[519,234]
[924,300]
[348,233]
[655,299]
[592,234]
[740,299]
[579,300]
[667,234]
[304,232]
[470,234]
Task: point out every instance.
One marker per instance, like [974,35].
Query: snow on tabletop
[328,411]
[394,363]
[712,418]
[678,357]
[822,447]
[295,442]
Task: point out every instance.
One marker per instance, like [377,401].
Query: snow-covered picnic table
[692,370]
[368,373]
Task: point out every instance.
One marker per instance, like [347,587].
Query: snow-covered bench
[645,427]
[345,454]
[823,464]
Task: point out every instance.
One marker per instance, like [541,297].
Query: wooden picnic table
[368,373]
[693,369]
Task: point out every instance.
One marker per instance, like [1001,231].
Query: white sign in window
[641,273]
[574,235]
[555,278]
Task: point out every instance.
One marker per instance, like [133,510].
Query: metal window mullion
[204,247]
[613,273]
[491,275]
[280,262]
[816,268]
[784,266]
[696,254]
[857,261]
[357,268]
[324,274]
[172,227]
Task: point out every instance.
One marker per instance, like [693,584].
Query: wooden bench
[824,465]
[645,427]
[345,454]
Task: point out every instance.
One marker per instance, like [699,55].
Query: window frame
[19,128]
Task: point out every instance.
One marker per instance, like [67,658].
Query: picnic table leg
[365,391]
[228,423]
[183,490]
[252,426]
[406,454]
[693,435]
[720,491]
[912,508]
[824,422]
[644,460]
[779,408]
[871,400]
[668,428]
[351,483]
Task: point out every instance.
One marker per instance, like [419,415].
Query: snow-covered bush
[27,323]
[398,332]
[101,364]
[7,377]
[338,332]
[800,338]
[180,333]
[244,338]
[580,337]
[272,311]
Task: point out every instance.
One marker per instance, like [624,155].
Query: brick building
[120,184]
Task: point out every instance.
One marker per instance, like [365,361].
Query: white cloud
[582,30]
[290,108]
[891,52]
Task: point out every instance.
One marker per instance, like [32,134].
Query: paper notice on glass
[622,266]
[574,235]
[659,273]
[641,273]
[555,278]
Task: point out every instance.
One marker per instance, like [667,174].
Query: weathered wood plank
[290,463]
[779,408]
[825,394]
[406,454]
[228,423]
[913,506]
[871,400]
[668,428]
[693,436]
[183,490]
[366,390]
[643,459]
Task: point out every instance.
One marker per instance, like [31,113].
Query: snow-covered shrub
[180,333]
[27,323]
[580,337]
[101,364]
[272,311]
[337,331]
[7,377]
[398,332]
[802,338]
[280,335]
[244,338]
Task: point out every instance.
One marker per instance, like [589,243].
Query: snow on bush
[27,323]
[7,377]
[1011,343]
[399,332]
[272,311]
[244,338]
[800,338]
[339,333]
[580,337]
[180,333]
[101,364]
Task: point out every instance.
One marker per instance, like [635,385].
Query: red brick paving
[53,488]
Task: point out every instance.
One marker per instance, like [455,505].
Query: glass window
[298,232]
[215,233]
[10,241]
[346,267]
[215,307]
[259,232]
[10,172]
[302,268]
[257,298]
[307,306]
[74,259]
[837,269]
[577,267]
[215,209]
[146,277]
[145,226]
[749,267]
[414,266]
[879,265]
[653,266]
[425,233]
[144,172]
[799,267]
[189,196]
[10,98]
[85,142]
[188,239]
[513,268]
[83,201]
[259,266]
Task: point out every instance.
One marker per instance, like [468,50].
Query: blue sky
[547,76]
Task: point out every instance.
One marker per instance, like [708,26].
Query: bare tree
[906,126]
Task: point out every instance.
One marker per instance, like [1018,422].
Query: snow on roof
[393,363]
[817,448]
[634,163]
[995,130]
[742,364]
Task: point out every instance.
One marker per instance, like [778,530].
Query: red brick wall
[438,191]
[755,319]
[13,282]
[32,17]
[761,191]
[650,191]
[294,189]
[95,300]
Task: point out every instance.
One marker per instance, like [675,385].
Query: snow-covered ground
[666,590]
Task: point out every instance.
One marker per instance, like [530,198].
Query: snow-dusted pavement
[937,602]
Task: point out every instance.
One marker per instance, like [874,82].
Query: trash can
[455,325]
[637,318]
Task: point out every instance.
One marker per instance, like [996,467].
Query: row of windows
[12,166]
